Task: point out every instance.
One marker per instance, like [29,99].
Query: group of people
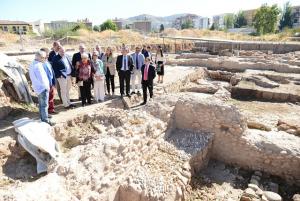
[54,69]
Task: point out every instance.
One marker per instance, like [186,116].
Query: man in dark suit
[124,67]
[77,57]
[63,70]
[148,75]
[54,51]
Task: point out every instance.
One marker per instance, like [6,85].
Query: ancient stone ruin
[237,116]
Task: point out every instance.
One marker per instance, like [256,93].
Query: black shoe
[143,103]
[132,93]
[128,95]
[49,116]
[51,123]
[72,106]
[53,112]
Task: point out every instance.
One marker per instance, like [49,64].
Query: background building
[143,26]
[203,23]
[218,21]
[180,20]
[16,27]
[249,15]
[62,24]
[119,23]
[296,16]
[38,27]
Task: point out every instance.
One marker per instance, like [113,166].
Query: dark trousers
[148,84]
[124,76]
[51,99]
[85,92]
[110,81]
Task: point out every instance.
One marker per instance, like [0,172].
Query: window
[295,20]
[24,28]
[5,28]
[14,29]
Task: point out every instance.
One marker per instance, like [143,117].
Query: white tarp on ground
[35,137]
[15,71]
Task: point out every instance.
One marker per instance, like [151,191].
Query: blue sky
[98,10]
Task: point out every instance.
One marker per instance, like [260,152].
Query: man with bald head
[63,71]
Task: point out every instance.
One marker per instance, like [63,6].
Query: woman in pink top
[85,74]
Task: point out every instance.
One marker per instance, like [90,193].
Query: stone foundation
[277,153]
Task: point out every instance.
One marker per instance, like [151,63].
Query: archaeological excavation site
[224,126]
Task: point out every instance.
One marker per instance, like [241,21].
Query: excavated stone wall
[277,153]
[278,48]
[235,64]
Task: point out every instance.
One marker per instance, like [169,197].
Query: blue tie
[137,61]
[124,60]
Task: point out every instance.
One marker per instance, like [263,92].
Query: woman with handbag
[85,77]
[160,64]
[99,77]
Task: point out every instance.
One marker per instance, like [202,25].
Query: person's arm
[102,69]
[117,64]
[143,59]
[41,76]
[131,63]
[74,63]
[153,72]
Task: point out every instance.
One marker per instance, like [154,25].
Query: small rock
[253,187]
[254,181]
[273,187]
[296,197]
[263,198]
[249,192]
[271,196]
[258,173]
[259,192]
[245,198]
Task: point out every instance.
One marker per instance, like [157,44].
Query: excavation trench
[151,153]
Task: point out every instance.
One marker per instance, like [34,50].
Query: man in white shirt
[40,84]
[124,67]
[138,60]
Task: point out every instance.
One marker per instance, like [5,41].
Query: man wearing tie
[148,75]
[139,61]
[124,67]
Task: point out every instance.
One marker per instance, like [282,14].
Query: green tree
[266,18]
[229,21]
[108,25]
[187,24]
[162,28]
[240,20]
[286,17]
[96,28]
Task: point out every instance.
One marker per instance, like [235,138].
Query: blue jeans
[43,105]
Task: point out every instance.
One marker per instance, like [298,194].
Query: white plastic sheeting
[15,71]
[35,137]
